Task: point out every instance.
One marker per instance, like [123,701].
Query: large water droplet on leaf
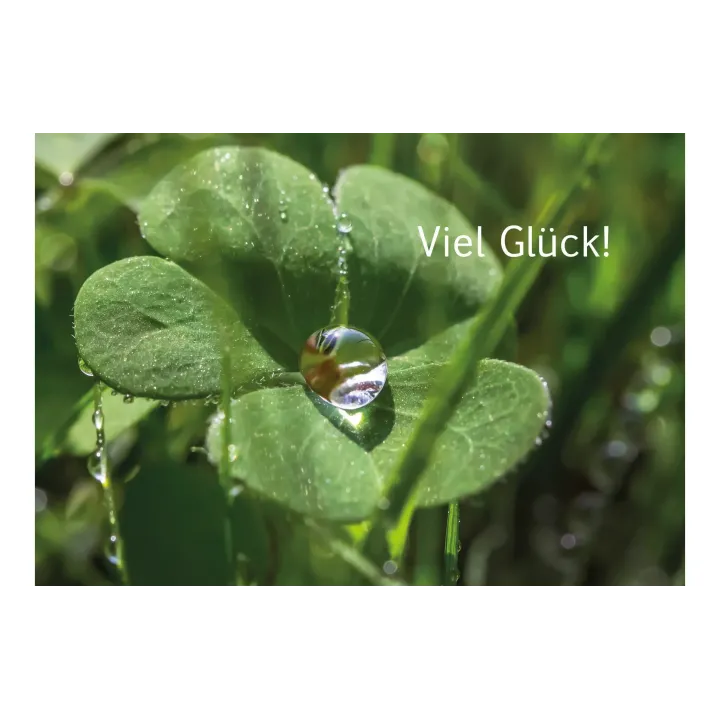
[344,366]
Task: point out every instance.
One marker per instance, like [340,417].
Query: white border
[501,652]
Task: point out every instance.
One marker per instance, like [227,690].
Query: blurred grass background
[601,501]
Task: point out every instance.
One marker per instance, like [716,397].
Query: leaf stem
[115,550]
[452,544]
[382,149]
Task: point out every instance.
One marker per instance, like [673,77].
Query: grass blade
[482,337]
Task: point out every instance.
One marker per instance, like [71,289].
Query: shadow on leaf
[367,427]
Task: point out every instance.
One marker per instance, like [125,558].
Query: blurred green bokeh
[601,501]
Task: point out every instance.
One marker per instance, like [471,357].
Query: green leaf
[399,294]
[173,523]
[66,152]
[143,164]
[147,327]
[497,422]
[330,464]
[257,227]
[287,449]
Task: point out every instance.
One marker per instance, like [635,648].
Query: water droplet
[66,178]
[128,398]
[283,216]
[390,567]
[344,225]
[165,403]
[98,419]
[111,550]
[95,465]
[84,369]
[344,366]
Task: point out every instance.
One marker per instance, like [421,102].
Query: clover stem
[452,545]
[99,467]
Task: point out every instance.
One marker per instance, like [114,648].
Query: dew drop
[98,419]
[95,465]
[283,216]
[344,366]
[344,225]
[128,398]
[84,369]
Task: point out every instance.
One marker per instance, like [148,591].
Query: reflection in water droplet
[128,399]
[344,225]
[344,366]
[84,369]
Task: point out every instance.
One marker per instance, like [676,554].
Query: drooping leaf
[147,327]
[399,293]
[259,228]
[66,152]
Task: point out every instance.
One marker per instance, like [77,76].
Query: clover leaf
[251,241]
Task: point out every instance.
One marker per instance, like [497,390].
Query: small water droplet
[344,366]
[165,403]
[95,465]
[344,225]
[128,398]
[98,419]
[283,216]
[390,567]
[84,369]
